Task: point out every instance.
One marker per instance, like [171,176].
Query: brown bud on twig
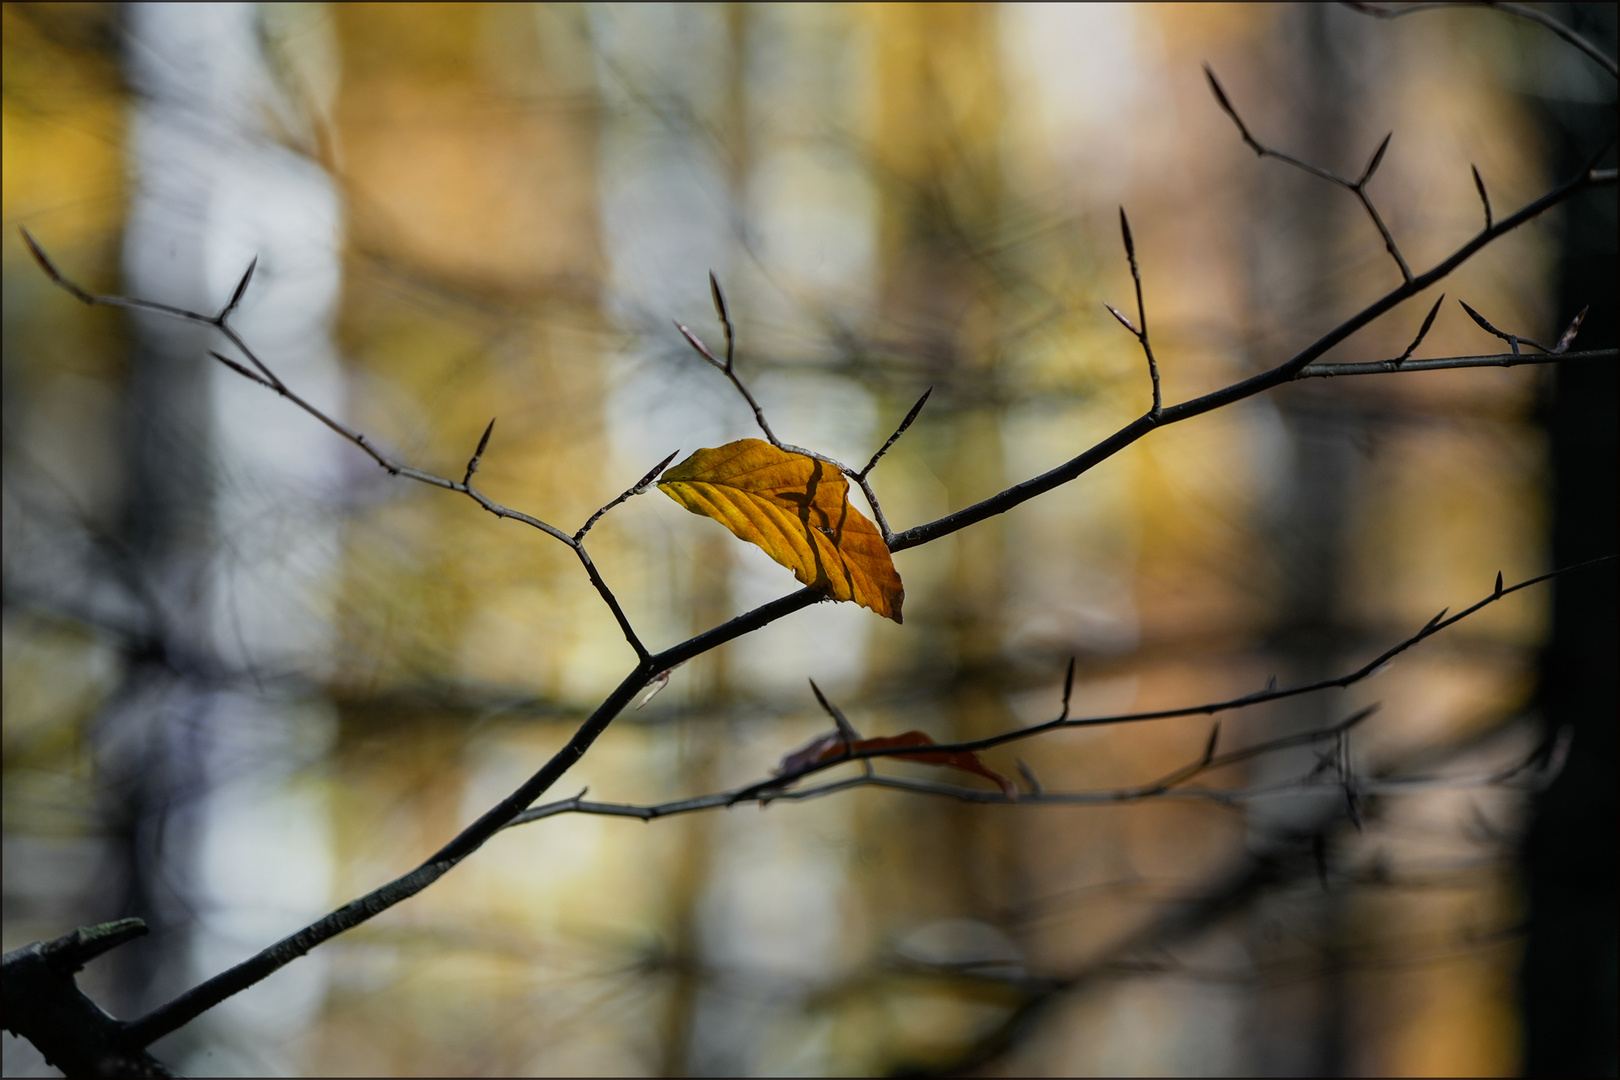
[1123,321]
[1479,185]
[1428,321]
[697,343]
[652,474]
[241,370]
[1377,159]
[241,288]
[1567,338]
[899,431]
[719,298]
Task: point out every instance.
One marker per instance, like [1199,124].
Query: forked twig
[1558,348]
[1384,11]
[1358,188]
[635,489]
[1537,769]
[1140,332]
[264,376]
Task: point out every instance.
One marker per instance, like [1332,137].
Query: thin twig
[899,431]
[267,378]
[1270,693]
[1001,502]
[635,489]
[1383,11]
[1448,363]
[1484,198]
[1358,188]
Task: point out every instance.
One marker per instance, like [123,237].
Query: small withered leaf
[835,745]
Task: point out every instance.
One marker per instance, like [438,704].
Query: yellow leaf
[795,509]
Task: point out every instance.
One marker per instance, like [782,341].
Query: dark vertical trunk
[1569,976]
[1311,521]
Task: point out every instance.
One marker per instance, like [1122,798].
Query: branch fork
[728,369]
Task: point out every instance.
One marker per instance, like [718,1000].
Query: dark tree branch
[1287,371]
[1385,11]
[640,485]
[1270,693]
[45,1005]
[199,999]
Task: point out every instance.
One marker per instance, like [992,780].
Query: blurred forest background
[248,676]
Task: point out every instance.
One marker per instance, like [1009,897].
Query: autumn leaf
[796,509]
[835,744]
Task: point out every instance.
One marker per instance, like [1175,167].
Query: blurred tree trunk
[1569,975]
[1315,504]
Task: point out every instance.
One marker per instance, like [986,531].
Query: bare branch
[245,372]
[1271,693]
[899,431]
[1356,187]
[1447,363]
[189,1005]
[268,378]
[53,273]
[1540,772]
[635,489]
[1383,11]
[697,343]
[1123,320]
[1377,159]
[730,372]
[1287,371]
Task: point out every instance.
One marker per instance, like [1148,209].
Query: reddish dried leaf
[833,745]
[796,509]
